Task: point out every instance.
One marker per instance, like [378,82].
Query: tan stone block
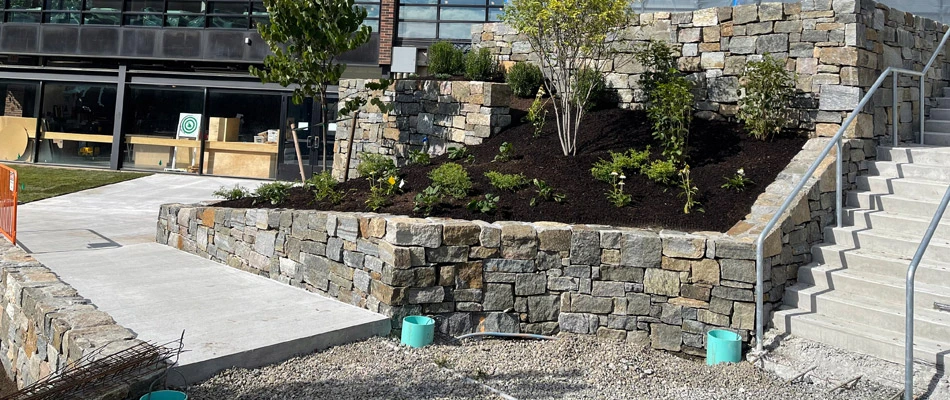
[687,302]
[826,130]
[828,26]
[207,217]
[704,47]
[712,34]
[838,55]
[726,30]
[705,271]
[675,264]
[743,315]
[610,257]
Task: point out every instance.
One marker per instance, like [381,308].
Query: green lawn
[39,183]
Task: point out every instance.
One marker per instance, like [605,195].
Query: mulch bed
[717,150]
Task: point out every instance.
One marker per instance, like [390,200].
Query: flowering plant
[737,181]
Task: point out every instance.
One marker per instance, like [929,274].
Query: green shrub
[659,63]
[591,80]
[453,179]
[690,191]
[511,182]
[767,104]
[616,195]
[524,79]
[273,192]
[628,161]
[480,65]
[426,200]
[324,187]
[545,192]
[660,171]
[375,166]
[505,152]
[444,58]
[537,114]
[457,153]
[235,193]
[418,157]
[671,112]
[486,205]
[378,198]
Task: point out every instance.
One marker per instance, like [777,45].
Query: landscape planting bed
[717,150]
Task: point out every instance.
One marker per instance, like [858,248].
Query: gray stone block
[585,247]
[543,308]
[447,254]
[434,294]
[588,304]
[506,265]
[839,98]
[666,337]
[641,249]
[498,297]
[607,289]
[530,284]
[738,270]
[578,323]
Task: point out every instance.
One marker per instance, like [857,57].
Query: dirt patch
[717,150]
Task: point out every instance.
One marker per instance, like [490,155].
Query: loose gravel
[574,367]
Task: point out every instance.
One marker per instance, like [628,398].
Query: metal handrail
[836,141]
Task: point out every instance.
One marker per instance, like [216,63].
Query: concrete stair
[937,127]
[852,295]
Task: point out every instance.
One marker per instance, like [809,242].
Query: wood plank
[161,141]
[244,147]
[77,137]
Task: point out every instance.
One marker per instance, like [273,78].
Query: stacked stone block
[837,48]
[46,325]
[664,287]
[427,115]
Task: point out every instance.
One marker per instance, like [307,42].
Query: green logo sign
[188,125]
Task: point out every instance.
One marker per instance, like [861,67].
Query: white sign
[189,125]
[12,184]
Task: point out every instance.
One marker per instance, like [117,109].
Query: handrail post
[759,292]
[894,109]
[923,79]
[838,163]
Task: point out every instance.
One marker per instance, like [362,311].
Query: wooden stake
[303,177]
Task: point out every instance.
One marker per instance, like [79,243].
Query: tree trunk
[349,146]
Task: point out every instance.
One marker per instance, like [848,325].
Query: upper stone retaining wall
[443,113]
[837,48]
[46,325]
[668,287]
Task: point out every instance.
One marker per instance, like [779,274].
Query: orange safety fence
[9,188]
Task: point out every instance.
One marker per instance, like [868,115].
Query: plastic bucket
[723,346]
[165,395]
[417,331]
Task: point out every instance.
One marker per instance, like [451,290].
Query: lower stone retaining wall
[46,324]
[664,287]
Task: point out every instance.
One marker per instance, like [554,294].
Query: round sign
[189,125]
[13,142]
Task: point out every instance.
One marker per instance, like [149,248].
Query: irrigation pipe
[506,335]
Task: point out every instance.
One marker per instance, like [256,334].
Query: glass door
[304,120]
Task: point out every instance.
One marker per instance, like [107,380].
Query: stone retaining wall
[634,284]
[436,114]
[46,324]
[837,48]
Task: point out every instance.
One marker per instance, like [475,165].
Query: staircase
[852,295]
[937,128]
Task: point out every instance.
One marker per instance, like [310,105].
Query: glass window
[144,5]
[417,30]
[462,14]
[19,110]
[372,10]
[63,18]
[229,8]
[185,6]
[144,20]
[418,12]
[455,31]
[494,14]
[77,123]
[25,5]
[103,5]
[151,126]
[251,118]
[63,4]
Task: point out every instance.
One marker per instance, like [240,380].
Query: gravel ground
[574,367]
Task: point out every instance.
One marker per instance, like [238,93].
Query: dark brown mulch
[717,150]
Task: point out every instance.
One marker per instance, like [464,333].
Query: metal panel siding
[99,41]
[179,43]
[140,42]
[60,39]
[19,38]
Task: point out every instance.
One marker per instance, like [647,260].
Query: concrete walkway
[102,242]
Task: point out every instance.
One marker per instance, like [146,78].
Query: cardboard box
[223,129]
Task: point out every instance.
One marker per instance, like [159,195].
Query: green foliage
[629,161]
[659,63]
[445,58]
[453,179]
[590,89]
[670,112]
[352,105]
[306,39]
[511,182]
[690,192]
[767,104]
[537,114]
[486,205]
[375,166]
[660,171]
[273,192]
[378,198]
[559,31]
[457,153]
[545,192]
[505,152]
[417,157]
[615,195]
[737,182]
[324,188]
[426,200]
[235,193]
[524,79]
[480,65]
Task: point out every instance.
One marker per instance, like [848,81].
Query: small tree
[767,103]
[568,36]
[306,38]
